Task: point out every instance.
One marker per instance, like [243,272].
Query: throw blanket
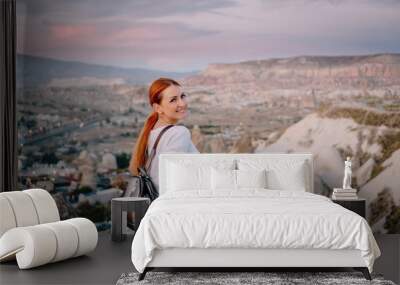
[252,218]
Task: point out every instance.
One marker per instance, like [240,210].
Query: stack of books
[344,194]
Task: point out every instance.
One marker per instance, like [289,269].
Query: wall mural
[262,76]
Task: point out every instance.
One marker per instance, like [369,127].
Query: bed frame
[241,259]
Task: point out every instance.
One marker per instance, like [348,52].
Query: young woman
[169,107]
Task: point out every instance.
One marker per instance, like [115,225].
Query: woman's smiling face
[173,106]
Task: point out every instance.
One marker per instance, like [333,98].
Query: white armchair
[31,230]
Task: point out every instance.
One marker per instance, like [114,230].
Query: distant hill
[335,133]
[35,71]
[364,71]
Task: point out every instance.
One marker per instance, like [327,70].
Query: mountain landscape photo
[321,77]
[333,107]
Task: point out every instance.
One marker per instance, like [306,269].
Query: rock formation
[243,145]
[215,144]
[86,163]
[108,163]
[198,138]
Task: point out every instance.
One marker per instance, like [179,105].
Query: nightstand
[356,205]
[119,209]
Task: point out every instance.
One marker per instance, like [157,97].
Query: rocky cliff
[333,134]
[325,71]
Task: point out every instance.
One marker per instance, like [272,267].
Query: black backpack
[146,185]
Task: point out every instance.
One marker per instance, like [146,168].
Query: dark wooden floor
[103,266]
[389,263]
[111,259]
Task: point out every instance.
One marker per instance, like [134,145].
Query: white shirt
[177,139]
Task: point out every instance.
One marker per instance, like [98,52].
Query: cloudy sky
[182,35]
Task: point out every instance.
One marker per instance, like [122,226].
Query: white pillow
[281,174]
[293,180]
[192,174]
[223,179]
[251,178]
[182,177]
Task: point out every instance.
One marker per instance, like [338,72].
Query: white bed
[248,227]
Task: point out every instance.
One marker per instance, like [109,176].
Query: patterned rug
[228,278]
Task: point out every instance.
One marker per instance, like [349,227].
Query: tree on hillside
[123,160]
[392,222]
[49,158]
[381,206]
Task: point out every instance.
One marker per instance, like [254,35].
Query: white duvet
[250,219]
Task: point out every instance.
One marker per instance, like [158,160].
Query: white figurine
[347,174]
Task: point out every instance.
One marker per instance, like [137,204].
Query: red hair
[138,158]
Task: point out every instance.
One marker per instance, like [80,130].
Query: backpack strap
[153,150]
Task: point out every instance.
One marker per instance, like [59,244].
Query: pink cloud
[194,37]
[71,32]
[138,33]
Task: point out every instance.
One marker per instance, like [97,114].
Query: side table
[119,209]
[356,205]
